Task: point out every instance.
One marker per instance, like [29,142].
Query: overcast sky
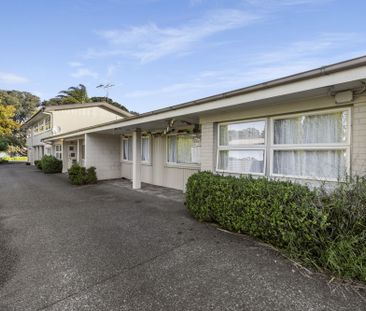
[160,53]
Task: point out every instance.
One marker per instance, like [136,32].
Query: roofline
[104,105]
[306,75]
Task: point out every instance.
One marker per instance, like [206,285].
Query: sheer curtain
[172,146]
[311,131]
[184,150]
[145,149]
[310,163]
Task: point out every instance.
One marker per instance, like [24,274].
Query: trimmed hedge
[38,164]
[321,229]
[79,175]
[50,165]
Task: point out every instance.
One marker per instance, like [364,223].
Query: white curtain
[310,163]
[145,149]
[184,149]
[172,147]
[312,129]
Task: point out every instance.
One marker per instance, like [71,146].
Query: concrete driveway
[106,247]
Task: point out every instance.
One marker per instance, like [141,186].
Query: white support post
[136,159]
[78,151]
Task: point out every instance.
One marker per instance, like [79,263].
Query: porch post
[136,159]
[78,151]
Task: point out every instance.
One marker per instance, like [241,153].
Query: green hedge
[50,165]
[38,164]
[322,229]
[79,175]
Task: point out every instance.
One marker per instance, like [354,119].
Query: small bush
[51,165]
[322,229]
[38,164]
[79,175]
[3,161]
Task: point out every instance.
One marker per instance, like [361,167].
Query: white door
[71,155]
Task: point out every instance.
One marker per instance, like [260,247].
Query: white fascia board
[350,75]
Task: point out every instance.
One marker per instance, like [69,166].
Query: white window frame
[178,164]
[126,138]
[316,147]
[263,147]
[148,137]
[59,152]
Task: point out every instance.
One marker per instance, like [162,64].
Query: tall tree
[25,103]
[74,95]
[7,122]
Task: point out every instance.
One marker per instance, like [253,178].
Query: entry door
[71,155]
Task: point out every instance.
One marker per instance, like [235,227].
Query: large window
[242,147]
[311,145]
[127,149]
[58,152]
[183,149]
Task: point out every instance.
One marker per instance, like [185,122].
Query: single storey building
[307,127]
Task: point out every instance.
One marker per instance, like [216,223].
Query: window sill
[236,173]
[183,166]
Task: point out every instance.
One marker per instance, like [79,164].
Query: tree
[96,99]
[7,122]
[74,95]
[25,103]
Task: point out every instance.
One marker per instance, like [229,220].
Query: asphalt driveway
[106,247]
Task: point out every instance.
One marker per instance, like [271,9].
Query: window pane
[145,149]
[184,149]
[312,129]
[239,134]
[310,163]
[172,148]
[242,161]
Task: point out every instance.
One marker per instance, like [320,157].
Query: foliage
[322,229]
[51,165]
[74,95]
[15,159]
[25,103]
[7,123]
[107,100]
[79,95]
[38,164]
[79,175]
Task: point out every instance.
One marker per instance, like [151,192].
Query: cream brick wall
[358,147]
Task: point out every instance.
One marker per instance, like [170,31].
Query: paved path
[106,247]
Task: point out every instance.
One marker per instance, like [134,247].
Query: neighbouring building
[307,127]
[55,120]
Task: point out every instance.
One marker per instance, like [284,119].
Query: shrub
[322,229]
[38,164]
[79,175]
[3,161]
[51,165]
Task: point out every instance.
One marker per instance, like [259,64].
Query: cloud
[282,61]
[75,64]
[84,72]
[150,42]
[12,78]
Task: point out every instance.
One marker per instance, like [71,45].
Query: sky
[158,53]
